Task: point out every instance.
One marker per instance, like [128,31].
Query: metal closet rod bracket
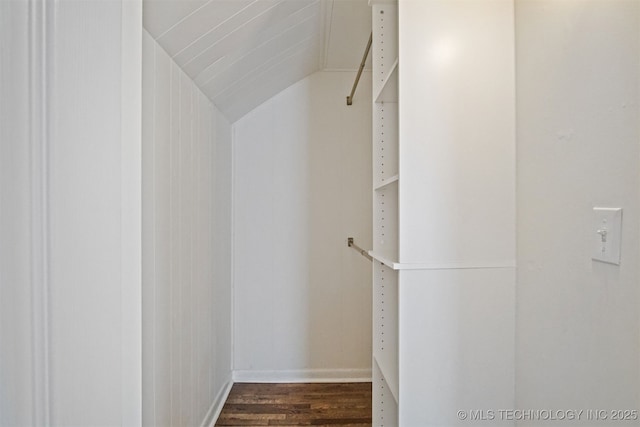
[364,253]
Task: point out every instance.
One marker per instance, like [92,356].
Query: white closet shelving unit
[385,184]
[443,209]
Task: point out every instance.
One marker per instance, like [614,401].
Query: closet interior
[195,193]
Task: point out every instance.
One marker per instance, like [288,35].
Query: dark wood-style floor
[318,404]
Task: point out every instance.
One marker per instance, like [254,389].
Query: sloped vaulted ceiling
[243,52]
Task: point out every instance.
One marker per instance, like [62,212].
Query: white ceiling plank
[254,64]
[244,36]
[264,53]
[189,29]
[350,30]
[267,34]
[327,13]
[263,74]
[160,15]
[306,45]
[258,91]
[242,52]
[217,32]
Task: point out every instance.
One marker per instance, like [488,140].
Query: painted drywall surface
[70,167]
[302,185]
[15,228]
[578,324]
[94,230]
[186,245]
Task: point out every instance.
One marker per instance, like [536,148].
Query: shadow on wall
[302,185]
[340,200]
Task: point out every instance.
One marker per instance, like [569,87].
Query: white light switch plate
[607,235]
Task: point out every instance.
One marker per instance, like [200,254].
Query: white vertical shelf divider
[435,207]
[386,177]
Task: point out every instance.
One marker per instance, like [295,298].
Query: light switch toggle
[603,235]
[608,235]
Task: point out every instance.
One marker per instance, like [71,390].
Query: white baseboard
[302,376]
[216,407]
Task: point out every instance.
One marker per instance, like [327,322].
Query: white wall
[578,323]
[69,223]
[93,212]
[186,246]
[16,405]
[302,185]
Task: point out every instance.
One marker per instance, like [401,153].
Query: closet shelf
[389,90]
[386,182]
[386,261]
[506,264]
[391,380]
